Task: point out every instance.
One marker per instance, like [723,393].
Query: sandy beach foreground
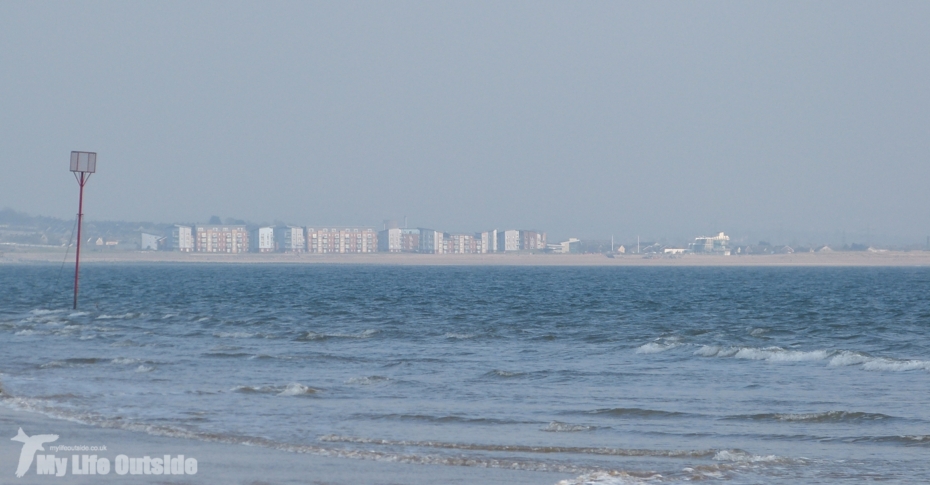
[224,463]
[838,258]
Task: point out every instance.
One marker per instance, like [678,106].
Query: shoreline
[832,259]
[220,461]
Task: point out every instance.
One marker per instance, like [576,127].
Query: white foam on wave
[145,368]
[630,452]
[894,365]
[458,336]
[656,347]
[837,358]
[45,312]
[296,389]
[234,335]
[771,354]
[845,358]
[778,354]
[123,316]
[77,314]
[367,380]
[740,456]
[25,332]
[609,478]
[124,361]
[323,336]
[504,373]
[559,427]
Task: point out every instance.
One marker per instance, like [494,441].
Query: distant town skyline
[18,227]
[767,120]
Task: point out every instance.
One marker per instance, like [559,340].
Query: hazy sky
[665,119]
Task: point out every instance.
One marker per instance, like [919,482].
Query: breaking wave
[824,417]
[458,336]
[123,316]
[504,373]
[655,347]
[234,335]
[631,452]
[837,358]
[383,456]
[311,336]
[368,380]
[559,427]
[292,389]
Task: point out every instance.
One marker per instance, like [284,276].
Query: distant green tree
[215,220]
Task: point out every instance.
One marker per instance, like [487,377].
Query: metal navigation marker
[83,164]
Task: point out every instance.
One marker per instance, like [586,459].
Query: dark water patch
[227,355]
[636,413]
[442,419]
[822,417]
[72,362]
[900,440]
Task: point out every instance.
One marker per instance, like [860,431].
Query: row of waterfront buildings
[225,238]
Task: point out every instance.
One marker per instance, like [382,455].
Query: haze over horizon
[667,120]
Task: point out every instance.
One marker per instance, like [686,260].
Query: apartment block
[430,241]
[261,240]
[342,240]
[459,244]
[221,239]
[508,241]
[487,241]
[532,240]
[390,240]
[181,239]
[290,239]
[409,240]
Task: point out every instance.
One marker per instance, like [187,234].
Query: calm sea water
[765,375]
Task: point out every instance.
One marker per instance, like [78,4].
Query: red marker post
[83,164]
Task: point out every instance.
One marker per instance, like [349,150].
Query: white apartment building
[262,240]
[711,244]
[390,240]
[181,239]
[510,241]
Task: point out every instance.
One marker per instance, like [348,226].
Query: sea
[611,375]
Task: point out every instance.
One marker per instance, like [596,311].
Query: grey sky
[580,118]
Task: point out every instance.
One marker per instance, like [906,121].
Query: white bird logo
[31,444]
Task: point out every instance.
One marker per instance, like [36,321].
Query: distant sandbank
[844,258]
